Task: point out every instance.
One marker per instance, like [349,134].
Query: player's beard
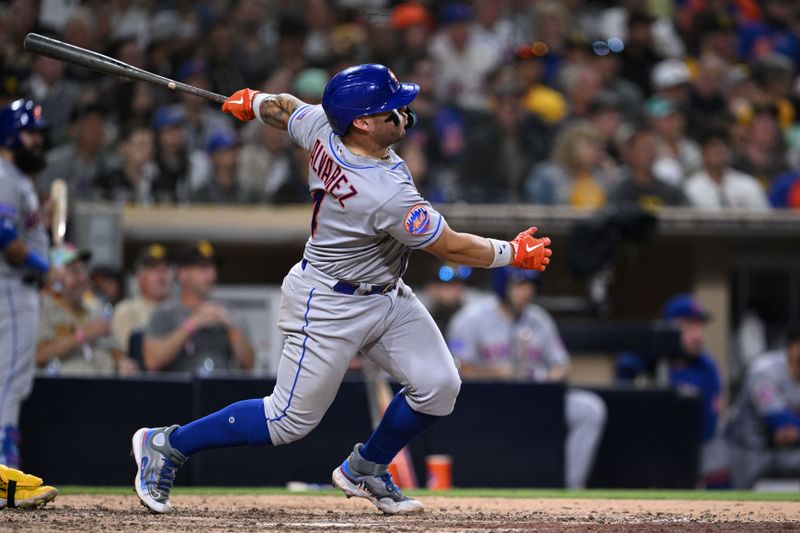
[29,161]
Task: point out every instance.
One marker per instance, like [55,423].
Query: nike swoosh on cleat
[239,101]
[528,249]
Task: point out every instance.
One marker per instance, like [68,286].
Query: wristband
[35,261]
[80,336]
[502,253]
[188,326]
[256,104]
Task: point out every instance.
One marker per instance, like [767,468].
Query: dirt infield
[83,513]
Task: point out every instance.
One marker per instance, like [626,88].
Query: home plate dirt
[83,513]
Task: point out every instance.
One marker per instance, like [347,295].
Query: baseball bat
[76,55]
[58,226]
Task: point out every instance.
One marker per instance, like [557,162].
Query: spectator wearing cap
[153,283]
[462,62]
[718,186]
[671,78]
[191,333]
[538,98]
[763,431]
[83,159]
[223,187]
[72,339]
[638,185]
[130,180]
[677,156]
[172,157]
[413,23]
[693,373]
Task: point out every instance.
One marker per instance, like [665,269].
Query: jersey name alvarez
[333,178]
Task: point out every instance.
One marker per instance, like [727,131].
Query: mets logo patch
[418,220]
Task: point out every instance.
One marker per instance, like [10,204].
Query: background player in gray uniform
[23,243]
[346,296]
[509,337]
[763,431]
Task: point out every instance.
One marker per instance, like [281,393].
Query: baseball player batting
[346,295]
[23,258]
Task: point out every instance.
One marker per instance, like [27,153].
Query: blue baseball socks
[399,425]
[240,424]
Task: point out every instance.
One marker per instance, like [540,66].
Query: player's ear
[361,124]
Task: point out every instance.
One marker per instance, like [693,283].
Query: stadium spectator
[129,180]
[763,430]
[82,160]
[639,55]
[201,120]
[785,191]
[761,151]
[511,338]
[414,24]
[677,155]
[639,186]
[191,333]
[775,32]
[462,61]
[153,284]
[58,96]
[223,187]
[626,93]
[72,338]
[531,68]
[693,373]
[500,147]
[706,103]
[578,173]
[171,185]
[717,185]
[672,79]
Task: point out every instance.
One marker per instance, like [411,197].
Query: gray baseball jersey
[768,389]
[482,335]
[19,302]
[367,216]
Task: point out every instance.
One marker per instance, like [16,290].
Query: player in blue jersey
[346,296]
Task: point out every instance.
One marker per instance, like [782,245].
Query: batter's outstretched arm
[271,109]
[525,251]
[462,248]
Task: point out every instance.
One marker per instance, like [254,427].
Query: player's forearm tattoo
[276,109]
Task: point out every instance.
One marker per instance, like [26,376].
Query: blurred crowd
[577,102]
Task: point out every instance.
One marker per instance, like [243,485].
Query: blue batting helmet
[17,116]
[502,276]
[364,90]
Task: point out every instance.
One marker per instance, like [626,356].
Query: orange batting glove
[240,104]
[531,253]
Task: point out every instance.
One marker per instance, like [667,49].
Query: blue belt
[344,287]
